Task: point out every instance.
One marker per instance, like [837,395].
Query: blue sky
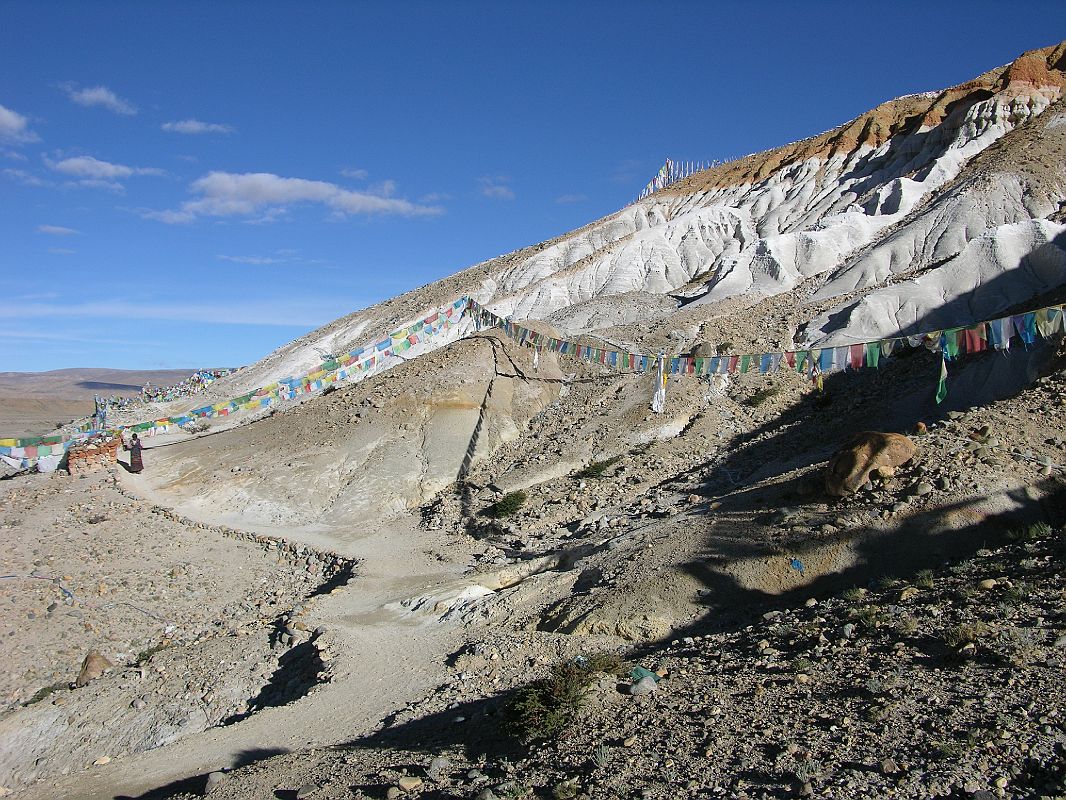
[196,184]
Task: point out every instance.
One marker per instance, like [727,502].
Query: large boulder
[865,452]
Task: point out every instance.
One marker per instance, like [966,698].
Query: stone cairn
[93,455]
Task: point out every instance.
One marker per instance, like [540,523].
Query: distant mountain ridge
[83,383]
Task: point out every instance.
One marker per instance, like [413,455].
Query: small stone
[438,768]
[1000,782]
[139,704]
[803,678]
[393,792]
[214,780]
[988,583]
[889,766]
[306,791]
[486,794]
[907,593]
[810,602]
[923,488]
[644,686]
[101,761]
[409,782]
[629,741]
[849,630]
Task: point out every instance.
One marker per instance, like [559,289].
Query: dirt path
[380,658]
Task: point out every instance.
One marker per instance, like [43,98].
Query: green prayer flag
[942,386]
[873,354]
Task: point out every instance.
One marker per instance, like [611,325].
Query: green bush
[506,505]
[597,468]
[762,395]
[545,707]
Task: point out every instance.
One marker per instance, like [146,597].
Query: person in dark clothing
[135,447]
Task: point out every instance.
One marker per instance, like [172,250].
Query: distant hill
[78,383]
[33,403]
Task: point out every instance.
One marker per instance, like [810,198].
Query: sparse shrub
[762,395]
[506,506]
[601,756]
[597,468]
[96,519]
[966,633]
[545,707]
[923,579]
[886,582]
[907,625]
[802,664]
[869,617]
[1022,644]
[977,736]
[807,771]
[784,631]
[1030,533]
[1014,596]
[946,749]
[44,691]
[854,593]
[875,686]
[146,655]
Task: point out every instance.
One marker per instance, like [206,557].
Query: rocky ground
[91,569]
[663,539]
[944,683]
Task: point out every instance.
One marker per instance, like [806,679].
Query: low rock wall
[93,456]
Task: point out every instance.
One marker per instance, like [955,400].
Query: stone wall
[93,455]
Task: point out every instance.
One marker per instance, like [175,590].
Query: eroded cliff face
[369,451]
[931,209]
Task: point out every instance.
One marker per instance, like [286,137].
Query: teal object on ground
[639,672]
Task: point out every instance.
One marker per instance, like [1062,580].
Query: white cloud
[357,174]
[195,126]
[571,198]
[265,196]
[98,96]
[97,183]
[14,155]
[61,251]
[496,187]
[26,178]
[284,312]
[95,169]
[250,259]
[56,230]
[14,127]
[50,336]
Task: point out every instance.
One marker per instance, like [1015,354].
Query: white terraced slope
[931,210]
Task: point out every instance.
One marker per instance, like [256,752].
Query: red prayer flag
[857,355]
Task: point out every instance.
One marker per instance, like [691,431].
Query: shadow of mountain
[104,386]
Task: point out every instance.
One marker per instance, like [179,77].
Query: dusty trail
[380,661]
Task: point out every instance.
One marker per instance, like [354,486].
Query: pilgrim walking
[135,447]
